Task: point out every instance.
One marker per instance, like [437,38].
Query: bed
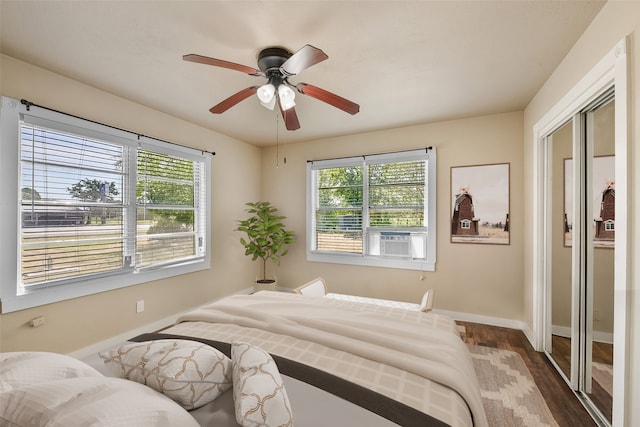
[338,362]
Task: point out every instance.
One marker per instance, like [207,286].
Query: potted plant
[266,237]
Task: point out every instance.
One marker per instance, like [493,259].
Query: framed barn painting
[480,204]
[603,201]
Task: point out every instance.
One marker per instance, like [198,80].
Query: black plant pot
[265,285]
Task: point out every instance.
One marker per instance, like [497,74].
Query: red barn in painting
[606,224]
[464,222]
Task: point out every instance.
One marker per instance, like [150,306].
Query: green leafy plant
[266,235]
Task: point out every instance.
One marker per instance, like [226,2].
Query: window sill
[52,294]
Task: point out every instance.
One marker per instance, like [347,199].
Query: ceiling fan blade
[290,118]
[302,59]
[233,100]
[328,97]
[221,63]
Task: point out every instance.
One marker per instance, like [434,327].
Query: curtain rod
[30,104]
[364,156]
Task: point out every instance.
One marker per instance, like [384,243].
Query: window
[373,210]
[96,208]
[610,225]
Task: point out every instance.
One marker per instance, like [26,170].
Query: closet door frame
[610,72]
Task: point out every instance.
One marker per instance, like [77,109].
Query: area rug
[509,393]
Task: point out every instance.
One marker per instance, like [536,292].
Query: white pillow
[32,367]
[90,401]
[191,373]
[259,396]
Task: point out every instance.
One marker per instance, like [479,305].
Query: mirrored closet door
[579,255]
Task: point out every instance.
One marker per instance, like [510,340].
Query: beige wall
[616,20]
[471,278]
[80,322]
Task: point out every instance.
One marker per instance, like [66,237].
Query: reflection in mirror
[580,257]
[560,149]
[600,127]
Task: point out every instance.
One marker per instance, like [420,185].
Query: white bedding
[411,357]
[310,405]
[89,401]
[364,353]
[413,345]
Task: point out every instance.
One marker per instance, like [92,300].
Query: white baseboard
[486,320]
[598,336]
[605,337]
[561,331]
[528,333]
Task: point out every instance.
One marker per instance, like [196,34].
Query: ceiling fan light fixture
[269,105]
[266,93]
[287,97]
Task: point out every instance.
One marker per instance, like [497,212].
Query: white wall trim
[598,336]
[622,405]
[528,333]
[485,320]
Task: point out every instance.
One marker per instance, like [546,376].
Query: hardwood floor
[564,405]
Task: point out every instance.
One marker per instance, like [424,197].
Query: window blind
[397,194]
[75,210]
[71,205]
[166,195]
[339,209]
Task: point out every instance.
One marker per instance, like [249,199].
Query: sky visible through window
[53,161]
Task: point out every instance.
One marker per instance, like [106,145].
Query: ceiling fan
[277,64]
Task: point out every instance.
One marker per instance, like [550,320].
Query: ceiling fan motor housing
[272,58]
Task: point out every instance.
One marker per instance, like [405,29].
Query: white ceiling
[404,62]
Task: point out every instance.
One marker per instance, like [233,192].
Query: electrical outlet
[140,306]
[596,315]
[38,321]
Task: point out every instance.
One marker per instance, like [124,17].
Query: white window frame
[424,264]
[13,297]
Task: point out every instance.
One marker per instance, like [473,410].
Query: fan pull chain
[284,157]
[284,149]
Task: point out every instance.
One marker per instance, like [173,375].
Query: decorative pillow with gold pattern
[259,395]
[191,373]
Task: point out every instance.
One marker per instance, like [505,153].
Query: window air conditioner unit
[397,245]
